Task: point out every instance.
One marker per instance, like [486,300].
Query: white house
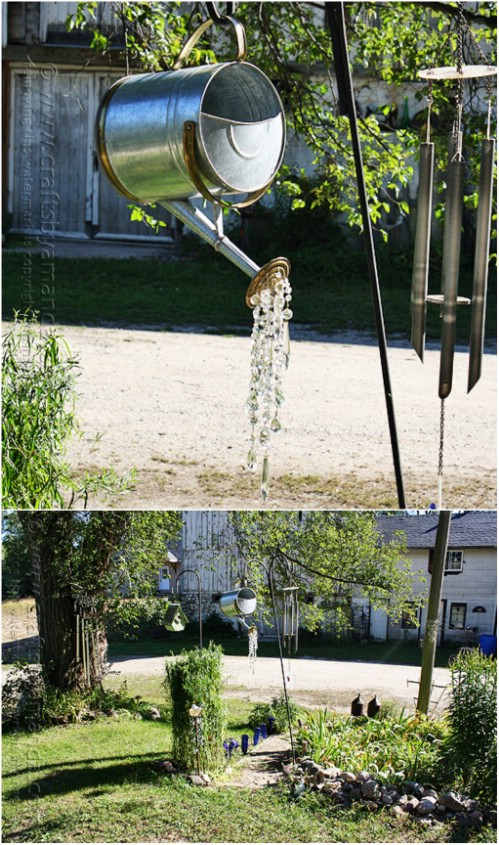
[469,590]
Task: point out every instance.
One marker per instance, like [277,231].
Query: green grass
[393,652]
[99,782]
[330,289]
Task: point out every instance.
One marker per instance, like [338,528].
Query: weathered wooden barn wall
[52,86]
[52,160]
[208,546]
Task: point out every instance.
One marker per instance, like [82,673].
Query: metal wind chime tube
[421,263]
[480,270]
[448,300]
[290,617]
[450,271]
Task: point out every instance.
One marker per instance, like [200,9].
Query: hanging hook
[215,18]
[218,17]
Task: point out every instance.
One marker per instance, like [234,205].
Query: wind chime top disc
[466,72]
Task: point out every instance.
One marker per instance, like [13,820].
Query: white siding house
[469,591]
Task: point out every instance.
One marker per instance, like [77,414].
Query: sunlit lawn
[99,782]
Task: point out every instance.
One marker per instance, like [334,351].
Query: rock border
[423,802]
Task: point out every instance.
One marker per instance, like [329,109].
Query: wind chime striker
[448,300]
[214,132]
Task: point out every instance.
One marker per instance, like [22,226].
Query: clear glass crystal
[269,359]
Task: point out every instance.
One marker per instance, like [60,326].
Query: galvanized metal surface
[481,265]
[450,272]
[201,225]
[421,263]
[240,602]
[240,131]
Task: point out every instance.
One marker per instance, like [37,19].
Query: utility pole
[432,619]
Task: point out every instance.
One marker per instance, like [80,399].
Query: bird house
[176,620]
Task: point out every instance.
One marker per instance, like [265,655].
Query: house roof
[469,529]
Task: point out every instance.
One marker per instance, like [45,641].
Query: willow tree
[334,555]
[84,565]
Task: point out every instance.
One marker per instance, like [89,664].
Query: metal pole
[431,629]
[336,22]
[268,572]
[281,657]
[200,614]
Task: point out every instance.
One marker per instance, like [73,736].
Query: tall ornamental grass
[195,678]
[392,746]
[471,746]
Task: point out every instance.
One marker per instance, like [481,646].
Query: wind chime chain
[460,84]
[461,22]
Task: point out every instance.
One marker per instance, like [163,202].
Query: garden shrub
[29,703]
[39,376]
[471,745]
[393,747]
[195,678]
[218,627]
[277,709]
[23,699]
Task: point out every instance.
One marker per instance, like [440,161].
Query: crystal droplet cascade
[269,295]
[253,647]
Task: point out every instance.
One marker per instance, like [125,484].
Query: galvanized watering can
[240,602]
[215,130]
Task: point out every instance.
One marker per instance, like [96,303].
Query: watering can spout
[202,226]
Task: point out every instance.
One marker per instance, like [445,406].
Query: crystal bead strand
[269,359]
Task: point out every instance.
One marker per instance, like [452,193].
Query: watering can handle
[189,139]
[196,35]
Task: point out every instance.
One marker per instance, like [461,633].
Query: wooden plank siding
[52,164]
[208,546]
[49,151]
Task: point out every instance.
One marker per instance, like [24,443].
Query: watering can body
[234,111]
[240,602]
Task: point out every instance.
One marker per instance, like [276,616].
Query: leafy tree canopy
[333,555]
[96,557]
[388,41]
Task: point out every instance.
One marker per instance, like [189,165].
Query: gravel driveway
[318,682]
[172,405]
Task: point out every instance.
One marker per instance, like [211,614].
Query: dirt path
[262,766]
[173,406]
